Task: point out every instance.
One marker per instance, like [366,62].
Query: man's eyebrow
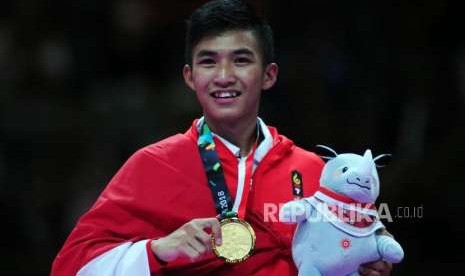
[203,53]
[243,51]
[210,53]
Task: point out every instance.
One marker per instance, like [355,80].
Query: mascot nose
[364,180]
[362,175]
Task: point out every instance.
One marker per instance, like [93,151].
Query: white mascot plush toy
[337,225]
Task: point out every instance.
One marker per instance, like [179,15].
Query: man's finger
[216,231]
[204,238]
[385,232]
[364,271]
[379,266]
[215,227]
[197,245]
[190,252]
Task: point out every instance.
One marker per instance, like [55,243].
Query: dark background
[83,84]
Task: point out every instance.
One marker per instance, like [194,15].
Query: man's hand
[189,241]
[378,268]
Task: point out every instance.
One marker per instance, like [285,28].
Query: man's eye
[206,61]
[242,60]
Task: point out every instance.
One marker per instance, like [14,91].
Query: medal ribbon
[215,176]
[247,184]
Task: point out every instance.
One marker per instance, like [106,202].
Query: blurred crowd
[83,84]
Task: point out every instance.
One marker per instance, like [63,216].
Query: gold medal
[238,240]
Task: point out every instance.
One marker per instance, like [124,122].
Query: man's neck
[243,134]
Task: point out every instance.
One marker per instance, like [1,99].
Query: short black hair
[219,16]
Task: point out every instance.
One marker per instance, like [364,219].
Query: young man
[159,212]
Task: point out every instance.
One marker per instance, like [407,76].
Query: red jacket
[163,186]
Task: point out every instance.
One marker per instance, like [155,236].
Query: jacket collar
[280,145]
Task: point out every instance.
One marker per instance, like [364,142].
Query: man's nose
[225,76]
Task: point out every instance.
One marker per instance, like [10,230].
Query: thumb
[216,231]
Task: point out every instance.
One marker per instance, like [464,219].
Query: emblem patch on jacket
[297,184]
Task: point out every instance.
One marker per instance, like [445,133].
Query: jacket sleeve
[113,237]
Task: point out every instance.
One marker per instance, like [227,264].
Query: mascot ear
[325,152]
[382,160]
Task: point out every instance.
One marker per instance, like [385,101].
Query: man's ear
[187,74]
[270,76]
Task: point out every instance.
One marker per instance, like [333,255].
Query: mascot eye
[344,169]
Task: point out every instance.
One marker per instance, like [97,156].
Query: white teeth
[225,94]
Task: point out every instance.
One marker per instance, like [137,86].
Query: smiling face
[228,75]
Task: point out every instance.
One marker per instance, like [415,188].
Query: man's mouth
[225,94]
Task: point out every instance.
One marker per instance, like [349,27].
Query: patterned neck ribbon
[215,175]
